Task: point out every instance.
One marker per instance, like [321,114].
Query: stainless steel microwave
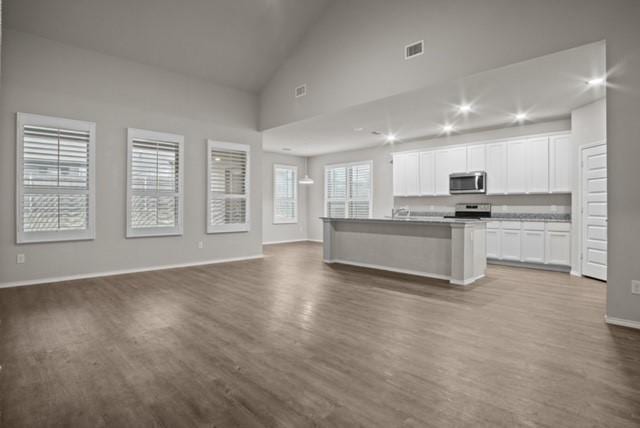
[468,182]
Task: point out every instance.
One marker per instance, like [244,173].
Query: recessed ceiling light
[464,108]
[521,117]
[391,138]
[447,128]
[358,129]
[597,81]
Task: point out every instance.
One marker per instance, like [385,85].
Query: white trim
[289,241]
[133,134]
[44,281]
[622,322]
[390,269]
[89,233]
[294,168]
[228,228]
[466,281]
[319,241]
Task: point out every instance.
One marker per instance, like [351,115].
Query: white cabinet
[457,161]
[533,242]
[496,162]
[442,172]
[510,237]
[560,164]
[516,166]
[558,244]
[427,173]
[493,240]
[476,158]
[406,174]
[537,165]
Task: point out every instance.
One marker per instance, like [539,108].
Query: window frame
[348,196]
[133,134]
[236,227]
[22,237]
[293,168]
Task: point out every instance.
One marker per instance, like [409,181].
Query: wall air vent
[301,91]
[414,49]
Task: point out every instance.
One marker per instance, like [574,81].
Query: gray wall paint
[282,232]
[383,200]
[354,55]
[40,76]
[589,124]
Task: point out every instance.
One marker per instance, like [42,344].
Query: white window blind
[228,187]
[285,194]
[348,190]
[154,191]
[55,179]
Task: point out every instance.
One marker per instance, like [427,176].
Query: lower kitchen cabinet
[493,240]
[510,244]
[558,244]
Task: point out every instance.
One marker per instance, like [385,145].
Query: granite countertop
[546,217]
[413,219]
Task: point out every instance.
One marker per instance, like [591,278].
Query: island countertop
[412,220]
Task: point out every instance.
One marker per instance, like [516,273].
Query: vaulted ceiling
[237,43]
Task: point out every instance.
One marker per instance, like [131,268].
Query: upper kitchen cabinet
[406,174]
[537,165]
[496,162]
[516,166]
[560,164]
[448,161]
[476,158]
[428,173]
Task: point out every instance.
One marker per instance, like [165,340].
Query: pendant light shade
[306,179]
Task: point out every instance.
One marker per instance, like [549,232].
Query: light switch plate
[20,259]
[635,287]
[200,244]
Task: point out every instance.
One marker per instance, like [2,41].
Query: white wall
[383,200]
[589,124]
[272,233]
[354,55]
[45,77]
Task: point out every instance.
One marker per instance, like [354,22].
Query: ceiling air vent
[414,50]
[301,91]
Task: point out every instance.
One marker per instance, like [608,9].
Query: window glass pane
[154,211]
[228,211]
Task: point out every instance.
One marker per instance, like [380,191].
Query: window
[285,194]
[348,190]
[55,179]
[154,183]
[228,187]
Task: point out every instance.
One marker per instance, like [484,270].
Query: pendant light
[306,179]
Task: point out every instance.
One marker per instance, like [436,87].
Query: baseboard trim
[319,241]
[622,322]
[575,273]
[529,265]
[290,241]
[51,280]
[390,269]
[467,282]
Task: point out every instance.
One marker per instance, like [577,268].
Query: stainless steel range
[472,211]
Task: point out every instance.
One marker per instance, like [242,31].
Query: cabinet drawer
[533,225]
[493,225]
[558,227]
[511,225]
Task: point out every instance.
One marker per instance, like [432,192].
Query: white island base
[450,249]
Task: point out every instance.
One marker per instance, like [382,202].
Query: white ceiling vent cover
[414,49]
[301,91]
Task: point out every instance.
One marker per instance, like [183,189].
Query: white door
[412,174]
[516,167]
[594,212]
[476,158]
[427,173]
[496,162]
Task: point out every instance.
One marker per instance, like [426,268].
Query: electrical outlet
[20,259]
[635,287]
[200,245]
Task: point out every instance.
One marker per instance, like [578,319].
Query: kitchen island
[443,248]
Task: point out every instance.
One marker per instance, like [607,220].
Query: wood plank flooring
[288,341]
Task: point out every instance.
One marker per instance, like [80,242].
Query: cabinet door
[412,174]
[476,158]
[457,160]
[510,244]
[496,161]
[493,243]
[537,163]
[558,248]
[516,167]
[533,246]
[560,164]
[399,188]
[427,173]
[442,172]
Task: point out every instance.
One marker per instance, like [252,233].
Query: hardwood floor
[290,341]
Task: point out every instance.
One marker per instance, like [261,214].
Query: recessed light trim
[464,108]
[596,81]
[391,138]
[447,128]
[520,117]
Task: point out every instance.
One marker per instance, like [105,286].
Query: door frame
[580,228]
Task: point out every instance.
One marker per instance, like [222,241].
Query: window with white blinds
[285,194]
[55,179]
[228,187]
[348,190]
[154,183]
